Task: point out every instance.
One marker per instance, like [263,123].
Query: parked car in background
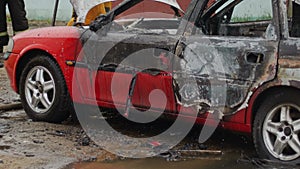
[245,65]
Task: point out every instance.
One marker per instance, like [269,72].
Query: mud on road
[28,144]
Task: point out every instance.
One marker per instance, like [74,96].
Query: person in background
[18,18]
[93,13]
[96,11]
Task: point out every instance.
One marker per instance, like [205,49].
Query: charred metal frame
[247,78]
[264,61]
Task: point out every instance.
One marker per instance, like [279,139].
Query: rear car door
[229,51]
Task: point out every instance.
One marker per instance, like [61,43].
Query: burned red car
[223,59]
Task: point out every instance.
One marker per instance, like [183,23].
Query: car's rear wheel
[43,90]
[276,127]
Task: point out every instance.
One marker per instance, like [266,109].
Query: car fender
[286,78]
[66,51]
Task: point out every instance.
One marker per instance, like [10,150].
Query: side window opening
[294,17]
[249,18]
[252,11]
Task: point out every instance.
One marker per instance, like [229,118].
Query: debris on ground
[11,106]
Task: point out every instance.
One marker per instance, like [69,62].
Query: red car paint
[67,38]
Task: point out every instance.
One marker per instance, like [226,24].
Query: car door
[133,68]
[125,67]
[229,51]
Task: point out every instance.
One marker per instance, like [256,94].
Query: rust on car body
[239,64]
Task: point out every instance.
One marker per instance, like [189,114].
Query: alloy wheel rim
[40,89]
[281,130]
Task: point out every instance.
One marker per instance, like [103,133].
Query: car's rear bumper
[10,66]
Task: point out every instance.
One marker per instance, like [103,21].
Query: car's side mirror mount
[101,21]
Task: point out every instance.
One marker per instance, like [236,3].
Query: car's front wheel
[276,128]
[43,90]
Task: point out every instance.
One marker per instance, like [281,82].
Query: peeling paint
[288,74]
[289,63]
[231,60]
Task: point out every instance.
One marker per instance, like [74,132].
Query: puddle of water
[227,162]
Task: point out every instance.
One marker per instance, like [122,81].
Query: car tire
[276,127]
[43,91]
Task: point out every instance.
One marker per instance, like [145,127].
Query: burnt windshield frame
[109,17]
[211,10]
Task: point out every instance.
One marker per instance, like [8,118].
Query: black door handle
[255,57]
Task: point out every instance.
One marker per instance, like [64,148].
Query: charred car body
[221,59]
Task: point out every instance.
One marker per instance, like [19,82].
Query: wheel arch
[269,126]
[25,58]
[60,106]
[261,94]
